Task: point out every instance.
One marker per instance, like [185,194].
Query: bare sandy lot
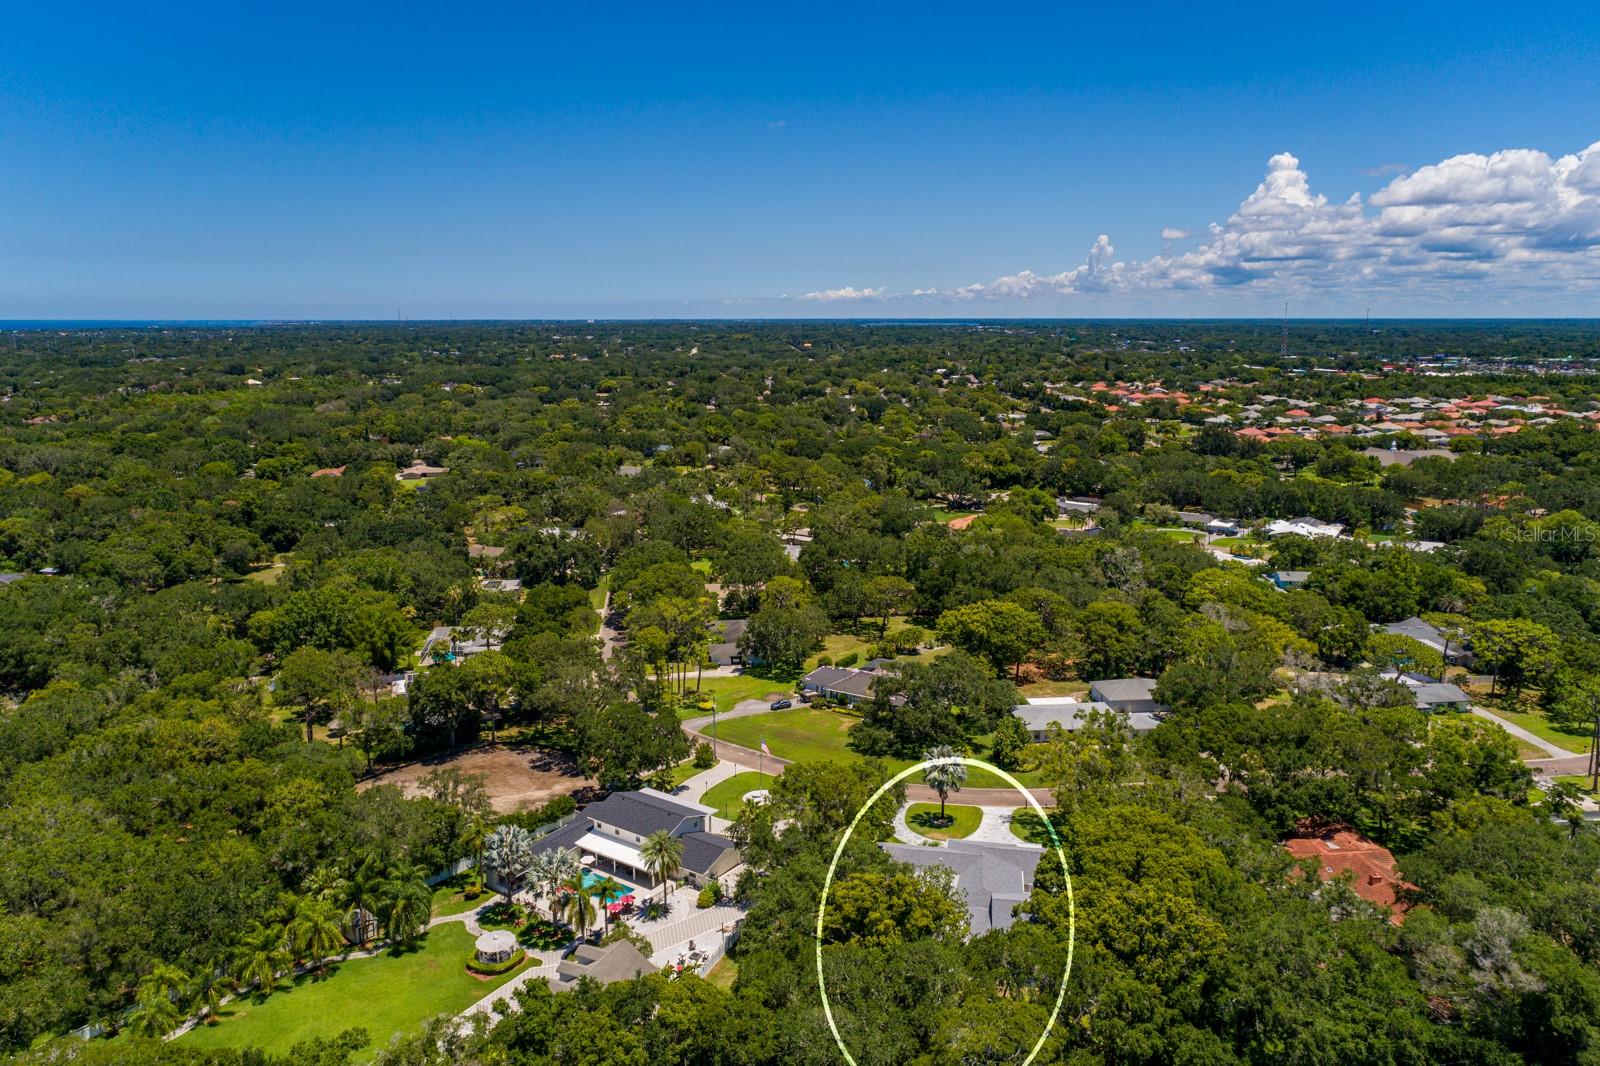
[516,780]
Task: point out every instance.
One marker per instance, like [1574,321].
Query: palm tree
[209,992]
[556,869]
[315,931]
[578,910]
[606,890]
[362,890]
[260,957]
[663,854]
[474,838]
[158,1013]
[946,775]
[508,852]
[407,904]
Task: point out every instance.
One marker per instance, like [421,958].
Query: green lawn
[685,770]
[385,995]
[728,691]
[597,595]
[447,898]
[923,818]
[1581,780]
[728,796]
[1579,741]
[724,974]
[805,734]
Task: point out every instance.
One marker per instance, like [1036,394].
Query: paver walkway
[697,785]
[996,828]
[671,937]
[903,831]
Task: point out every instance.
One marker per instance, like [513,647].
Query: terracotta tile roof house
[329,471]
[1376,878]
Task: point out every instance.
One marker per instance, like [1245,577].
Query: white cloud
[1518,219]
[849,292]
[1172,233]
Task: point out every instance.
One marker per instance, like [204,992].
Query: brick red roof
[1376,878]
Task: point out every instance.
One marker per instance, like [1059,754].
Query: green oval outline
[1055,842]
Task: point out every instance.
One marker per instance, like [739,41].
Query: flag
[764,749]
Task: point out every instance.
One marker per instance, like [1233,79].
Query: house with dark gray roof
[725,634]
[993,878]
[614,829]
[844,685]
[1458,653]
[1129,694]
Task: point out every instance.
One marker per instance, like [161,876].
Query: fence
[715,955]
[466,863]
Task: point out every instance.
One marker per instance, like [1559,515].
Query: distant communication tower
[1283,339]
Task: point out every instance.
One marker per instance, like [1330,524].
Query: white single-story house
[1303,527]
[1040,713]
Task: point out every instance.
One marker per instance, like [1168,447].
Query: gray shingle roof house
[844,685]
[1424,633]
[1037,715]
[725,634]
[620,961]
[993,877]
[1127,693]
[614,828]
[1437,696]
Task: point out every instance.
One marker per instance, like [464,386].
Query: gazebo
[496,946]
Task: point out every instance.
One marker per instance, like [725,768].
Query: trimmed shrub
[710,896]
[847,659]
[495,969]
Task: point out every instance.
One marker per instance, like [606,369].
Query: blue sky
[359,160]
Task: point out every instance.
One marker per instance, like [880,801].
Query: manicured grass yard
[1579,741]
[728,691]
[728,796]
[805,734]
[923,818]
[1581,780]
[447,898]
[685,770]
[384,995]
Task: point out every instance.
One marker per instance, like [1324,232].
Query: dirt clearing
[516,780]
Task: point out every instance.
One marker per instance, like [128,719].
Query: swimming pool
[590,879]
